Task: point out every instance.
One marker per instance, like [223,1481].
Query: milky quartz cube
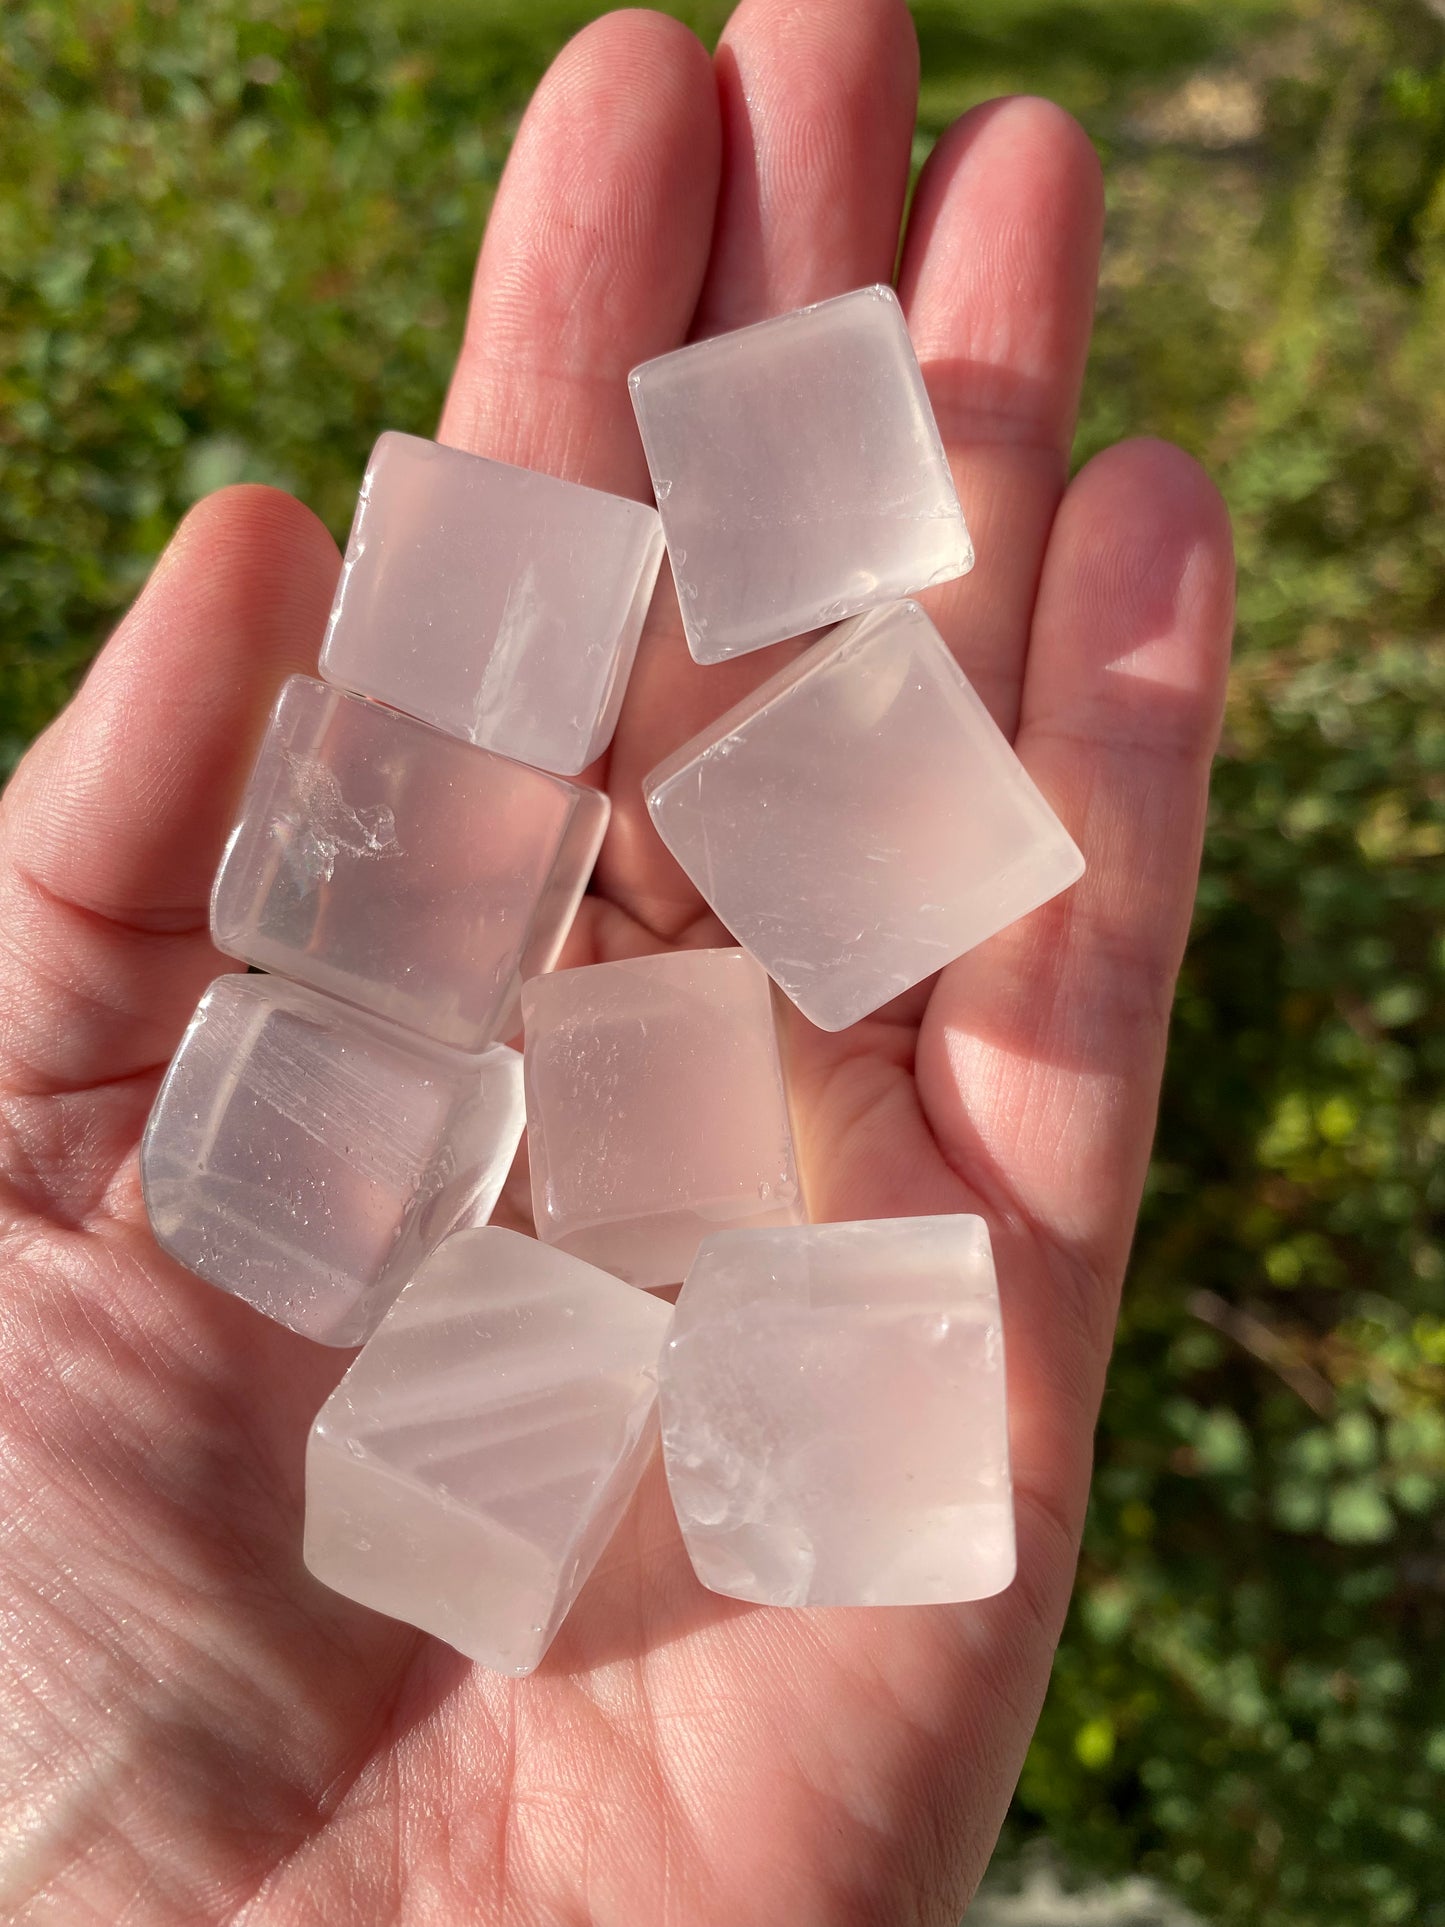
[860,820]
[470,1468]
[400,869]
[834,1419]
[306,1156]
[656,1109]
[502,605]
[799,473]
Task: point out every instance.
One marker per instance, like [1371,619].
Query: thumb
[112,826]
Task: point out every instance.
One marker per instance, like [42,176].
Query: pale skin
[193,1730]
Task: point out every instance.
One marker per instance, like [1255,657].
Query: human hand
[194,1730]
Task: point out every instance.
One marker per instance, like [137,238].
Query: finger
[1041,1052]
[998,276]
[818,104]
[594,253]
[112,826]
[818,111]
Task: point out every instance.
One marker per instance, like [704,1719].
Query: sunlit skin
[192,1729]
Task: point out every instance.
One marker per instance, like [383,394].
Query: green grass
[236,237]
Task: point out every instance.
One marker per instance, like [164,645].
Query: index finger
[594,253]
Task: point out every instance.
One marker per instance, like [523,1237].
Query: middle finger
[818,105]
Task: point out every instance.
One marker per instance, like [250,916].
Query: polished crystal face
[799,473]
[399,869]
[655,1109]
[833,1415]
[306,1156]
[501,605]
[860,820]
[470,1468]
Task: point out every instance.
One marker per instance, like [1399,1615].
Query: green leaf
[1358,1514]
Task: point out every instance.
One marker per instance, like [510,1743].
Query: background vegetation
[235,237]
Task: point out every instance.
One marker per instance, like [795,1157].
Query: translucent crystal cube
[502,605]
[399,869]
[655,1109]
[833,1415]
[306,1157]
[799,473]
[470,1468]
[860,820]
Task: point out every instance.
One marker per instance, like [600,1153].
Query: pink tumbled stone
[860,820]
[656,1109]
[469,1470]
[834,1419]
[501,605]
[799,473]
[390,865]
[306,1156]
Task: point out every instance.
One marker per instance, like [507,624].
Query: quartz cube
[860,820]
[655,1109]
[834,1419]
[397,868]
[799,473]
[502,605]
[305,1156]
[470,1468]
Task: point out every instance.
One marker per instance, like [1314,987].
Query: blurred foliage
[235,238]
[1249,1701]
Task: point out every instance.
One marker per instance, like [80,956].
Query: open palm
[192,1729]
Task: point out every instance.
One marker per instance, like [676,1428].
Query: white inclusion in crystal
[469,1470]
[521,618]
[833,1415]
[325,825]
